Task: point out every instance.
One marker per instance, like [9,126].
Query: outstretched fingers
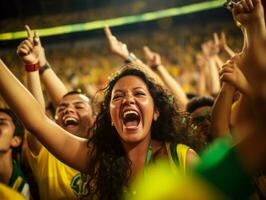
[30,33]
[147,52]
[108,33]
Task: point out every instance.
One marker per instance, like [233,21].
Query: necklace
[148,155]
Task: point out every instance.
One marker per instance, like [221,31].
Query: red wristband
[32,67]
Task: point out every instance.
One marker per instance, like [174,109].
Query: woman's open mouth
[131,119]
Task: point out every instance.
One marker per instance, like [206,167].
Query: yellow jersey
[55,179]
[8,193]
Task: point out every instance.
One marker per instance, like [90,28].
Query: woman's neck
[137,154]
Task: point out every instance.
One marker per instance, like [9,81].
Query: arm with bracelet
[47,131]
[54,86]
[31,53]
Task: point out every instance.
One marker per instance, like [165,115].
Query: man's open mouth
[70,121]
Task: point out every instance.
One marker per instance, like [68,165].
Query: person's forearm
[222,111]
[202,91]
[174,87]
[219,62]
[148,70]
[54,86]
[255,33]
[229,52]
[34,86]
[214,76]
[33,117]
[18,97]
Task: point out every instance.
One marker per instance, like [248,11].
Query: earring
[112,123]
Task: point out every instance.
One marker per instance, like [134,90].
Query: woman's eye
[79,107]
[2,123]
[117,96]
[139,93]
[60,109]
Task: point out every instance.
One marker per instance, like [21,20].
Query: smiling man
[55,179]
[74,114]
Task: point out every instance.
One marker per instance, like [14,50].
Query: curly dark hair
[109,168]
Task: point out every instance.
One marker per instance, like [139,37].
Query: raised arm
[202,85]
[221,112]
[154,62]
[54,86]
[120,49]
[252,60]
[62,144]
[29,51]
[210,51]
[217,47]
[250,14]
[231,74]
[222,42]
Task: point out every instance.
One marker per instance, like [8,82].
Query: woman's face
[132,109]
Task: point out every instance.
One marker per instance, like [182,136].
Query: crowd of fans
[183,118]
[93,63]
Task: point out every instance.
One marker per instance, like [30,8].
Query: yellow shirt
[55,179]
[177,156]
[8,193]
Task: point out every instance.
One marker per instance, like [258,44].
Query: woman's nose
[129,99]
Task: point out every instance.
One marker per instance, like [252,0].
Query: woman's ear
[16,141]
[156,114]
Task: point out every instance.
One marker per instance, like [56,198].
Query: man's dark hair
[79,92]
[73,92]
[198,102]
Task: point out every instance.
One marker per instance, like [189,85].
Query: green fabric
[221,167]
[16,173]
[174,154]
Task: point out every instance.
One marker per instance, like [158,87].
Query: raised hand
[201,60]
[248,11]
[232,75]
[116,46]
[153,59]
[209,49]
[220,40]
[30,50]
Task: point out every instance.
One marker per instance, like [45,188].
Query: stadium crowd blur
[174,40]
